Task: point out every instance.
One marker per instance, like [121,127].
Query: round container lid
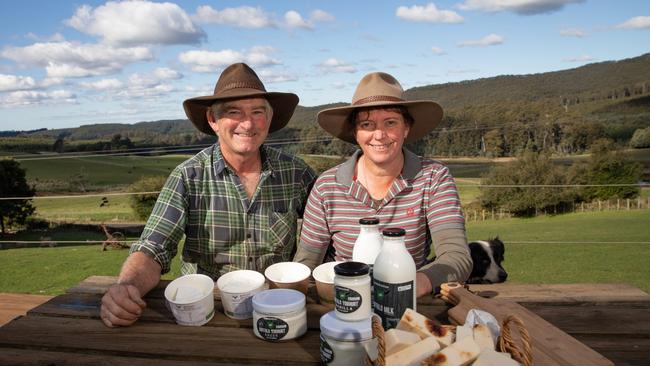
[351,269]
[278,301]
[335,328]
[394,232]
[369,221]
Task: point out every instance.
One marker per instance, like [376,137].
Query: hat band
[377,98]
[244,84]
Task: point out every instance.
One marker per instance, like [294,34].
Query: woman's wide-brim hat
[379,89]
[239,81]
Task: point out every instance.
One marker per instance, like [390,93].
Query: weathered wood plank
[623,350]
[14,305]
[586,292]
[157,341]
[30,357]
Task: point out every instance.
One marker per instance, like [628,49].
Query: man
[236,202]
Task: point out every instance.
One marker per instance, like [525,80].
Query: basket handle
[507,342]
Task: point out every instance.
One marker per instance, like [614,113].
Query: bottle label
[326,352]
[346,300]
[390,301]
[271,328]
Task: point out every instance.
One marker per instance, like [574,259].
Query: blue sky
[70,63]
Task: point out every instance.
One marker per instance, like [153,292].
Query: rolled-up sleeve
[166,224]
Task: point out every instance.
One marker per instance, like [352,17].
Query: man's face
[242,126]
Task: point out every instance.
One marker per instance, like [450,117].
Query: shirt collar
[412,166]
[220,164]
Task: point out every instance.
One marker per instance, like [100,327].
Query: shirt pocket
[282,234]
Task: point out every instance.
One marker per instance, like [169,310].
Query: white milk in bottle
[368,243]
[393,279]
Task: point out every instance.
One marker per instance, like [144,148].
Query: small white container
[279,314]
[191,299]
[344,343]
[237,289]
[352,300]
[368,243]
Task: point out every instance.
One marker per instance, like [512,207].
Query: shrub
[641,138]
[142,204]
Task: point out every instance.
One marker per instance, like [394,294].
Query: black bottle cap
[369,221]
[394,232]
[351,269]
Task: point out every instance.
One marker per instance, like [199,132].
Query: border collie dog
[487,257]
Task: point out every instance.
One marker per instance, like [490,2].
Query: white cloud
[437,50]
[56,37]
[321,16]
[243,16]
[103,84]
[66,59]
[293,19]
[269,77]
[429,13]
[523,7]
[335,65]
[51,81]
[489,40]
[163,73]
[572,32]
[210,61]
[642,22]
[30,97]
[137,22]
[14,83]
[583,58]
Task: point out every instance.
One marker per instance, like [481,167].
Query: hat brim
[283,104]
[426,114]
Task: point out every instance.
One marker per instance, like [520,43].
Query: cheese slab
[412,321]
[459,353]
[489,357]
[414,354]
[463,331]
[483,336]
[396,340]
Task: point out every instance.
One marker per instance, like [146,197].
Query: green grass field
[573,248]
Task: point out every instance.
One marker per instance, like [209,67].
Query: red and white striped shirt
[423,199]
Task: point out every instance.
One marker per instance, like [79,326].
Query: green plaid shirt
[204,200]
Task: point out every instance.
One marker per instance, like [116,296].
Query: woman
[386,181]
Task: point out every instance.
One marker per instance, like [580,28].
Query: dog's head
[487,257]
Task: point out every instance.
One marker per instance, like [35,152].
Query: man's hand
[121,305]
[422,285]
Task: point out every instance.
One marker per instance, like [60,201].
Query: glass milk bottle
[368,243]
[393,279]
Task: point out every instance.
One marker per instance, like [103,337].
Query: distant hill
[611,98]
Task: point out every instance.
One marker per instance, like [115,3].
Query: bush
[641,138]
[142,204]
[518,186]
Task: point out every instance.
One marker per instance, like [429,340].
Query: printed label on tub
[390,301]
[271,328]
[326,352]
[346,299]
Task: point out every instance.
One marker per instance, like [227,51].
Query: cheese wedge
[412,321]
[489,357]
[459,353]
[464,331]
[414,354]
[483,336]
[397,340]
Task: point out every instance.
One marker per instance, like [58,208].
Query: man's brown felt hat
[239,81]
[379,89]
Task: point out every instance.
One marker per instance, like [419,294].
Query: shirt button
[248,235]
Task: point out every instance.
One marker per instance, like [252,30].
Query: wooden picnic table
[612,319]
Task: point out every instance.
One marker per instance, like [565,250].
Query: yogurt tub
[279,314]
[237,289]
[324,276]
[190,299]
[292,275]
[345,343]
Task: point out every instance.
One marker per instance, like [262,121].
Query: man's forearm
[141,271]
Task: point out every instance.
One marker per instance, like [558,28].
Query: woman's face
[380,133]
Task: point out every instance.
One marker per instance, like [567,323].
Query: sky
[67,63]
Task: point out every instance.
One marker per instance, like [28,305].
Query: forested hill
[610,99]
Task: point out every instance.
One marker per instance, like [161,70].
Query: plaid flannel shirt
[204,200]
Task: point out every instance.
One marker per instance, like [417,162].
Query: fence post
[600,205]
[618,204]
[628,204]
[483,215]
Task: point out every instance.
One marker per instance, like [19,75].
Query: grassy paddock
[572,248]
